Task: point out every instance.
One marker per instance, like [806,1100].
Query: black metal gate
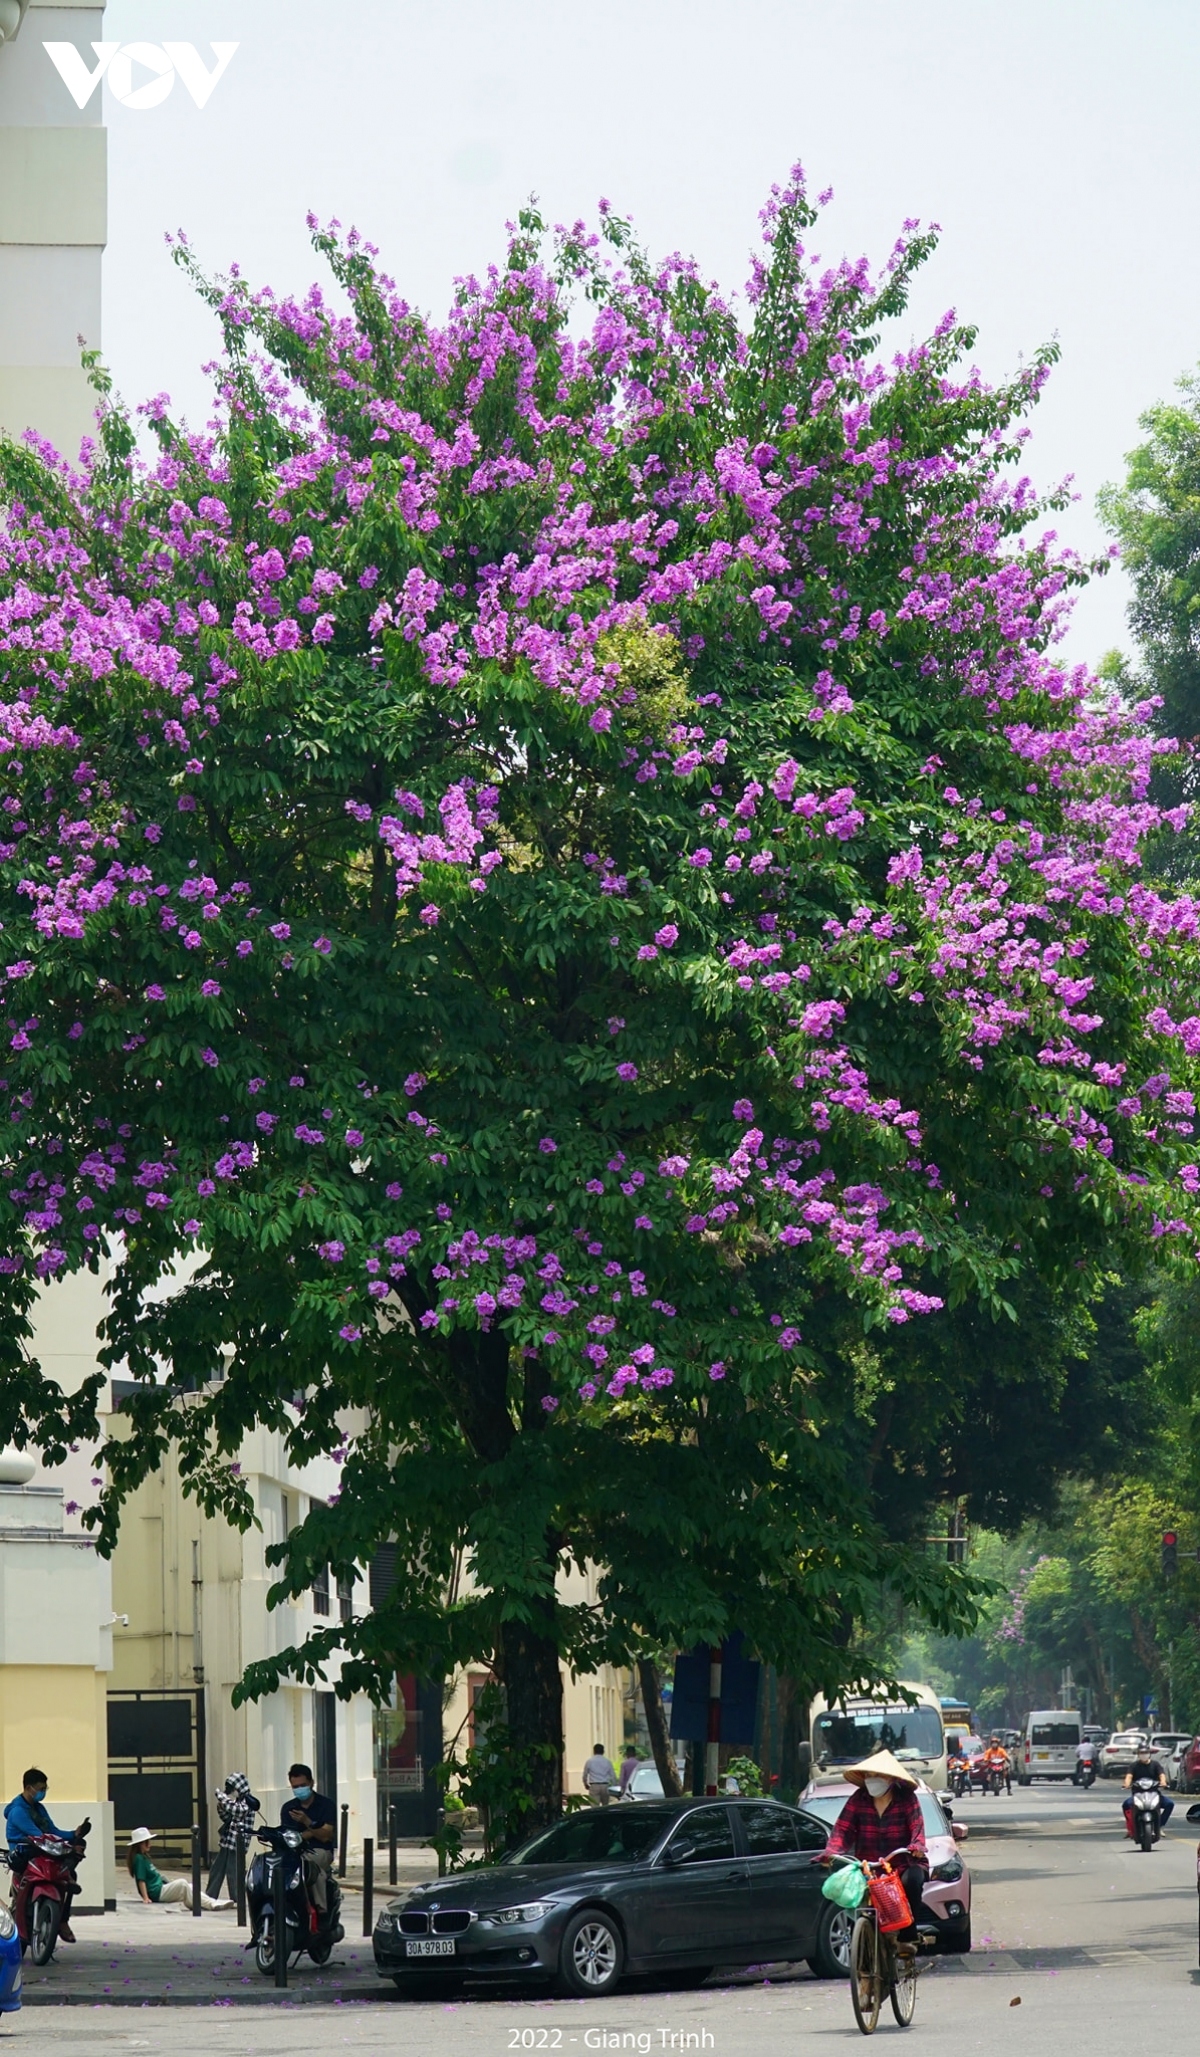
[157,1773]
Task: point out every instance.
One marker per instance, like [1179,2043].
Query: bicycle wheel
[903,1986]
[866,1979]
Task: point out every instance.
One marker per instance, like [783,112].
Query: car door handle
[739,1873]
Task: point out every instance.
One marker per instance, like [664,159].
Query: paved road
[1097,1942]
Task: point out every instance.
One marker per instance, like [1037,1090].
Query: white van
[1052,1739]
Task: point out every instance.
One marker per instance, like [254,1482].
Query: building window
[320,1591]
[345,1593]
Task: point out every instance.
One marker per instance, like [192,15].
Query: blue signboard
[739,1693]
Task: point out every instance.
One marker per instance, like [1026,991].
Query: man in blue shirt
[315,1819]
[26,1817]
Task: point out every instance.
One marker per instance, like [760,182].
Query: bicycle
[877,1970]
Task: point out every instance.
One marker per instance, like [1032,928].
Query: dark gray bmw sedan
[678,1886]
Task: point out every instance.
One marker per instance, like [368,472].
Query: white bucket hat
[142,1835]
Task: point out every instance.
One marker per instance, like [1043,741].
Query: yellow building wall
[54,1716]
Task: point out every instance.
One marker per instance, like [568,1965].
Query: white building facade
[53,222]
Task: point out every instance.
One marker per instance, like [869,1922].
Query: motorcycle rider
[1085,1762]
[1147,1772]
[884,1815]
[25,1819]
[958,1761]
[315,1818]
[996,1758]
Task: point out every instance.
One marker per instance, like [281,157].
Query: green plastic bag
[846,1887]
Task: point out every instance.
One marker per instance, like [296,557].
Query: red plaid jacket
[861,1831]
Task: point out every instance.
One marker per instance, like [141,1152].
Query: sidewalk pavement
[160,1956]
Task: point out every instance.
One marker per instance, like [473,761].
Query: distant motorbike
[307,1929]
[960,1781]
[44,1885]
[1147,1816]
[1084,1774]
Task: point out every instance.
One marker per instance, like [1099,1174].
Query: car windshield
[602,1835]
[827,1807]
[843,1736]
[1168,1742]
[1049,1735]
[646,1780]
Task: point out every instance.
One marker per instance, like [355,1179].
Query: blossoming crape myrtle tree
[539,861]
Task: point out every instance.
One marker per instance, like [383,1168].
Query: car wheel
[831,1958]
[591,1956]
[959,1943]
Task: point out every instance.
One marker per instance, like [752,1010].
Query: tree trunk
[533,1696]
[656,1722]
[795,1754]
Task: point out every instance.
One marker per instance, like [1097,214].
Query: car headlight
[385,1920]
[8,1927]
[951,1869]
[508,1917]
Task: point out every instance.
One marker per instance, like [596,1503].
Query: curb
[267,1996]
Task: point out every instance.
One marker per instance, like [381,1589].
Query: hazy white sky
[1055,141]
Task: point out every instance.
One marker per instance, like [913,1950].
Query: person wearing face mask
[315,1819]
[25,1818]
[881,1816]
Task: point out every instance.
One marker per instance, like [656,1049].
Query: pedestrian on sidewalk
[629,1764]
[237,1808]
[152,1887]
[599,1777]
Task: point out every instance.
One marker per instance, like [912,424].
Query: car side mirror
[677,1853]
[959,1831]
[946,1803]
[1193,1813]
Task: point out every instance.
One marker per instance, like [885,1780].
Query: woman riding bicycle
[881,1817]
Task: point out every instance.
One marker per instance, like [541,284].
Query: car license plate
[1042,1756]
[436,1946]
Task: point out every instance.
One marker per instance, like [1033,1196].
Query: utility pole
[712,1754]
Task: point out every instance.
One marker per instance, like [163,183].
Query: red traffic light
[1169,1538]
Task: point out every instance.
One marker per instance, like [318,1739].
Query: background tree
[1155,518]
[556,894]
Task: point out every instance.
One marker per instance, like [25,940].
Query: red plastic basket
[890,1902]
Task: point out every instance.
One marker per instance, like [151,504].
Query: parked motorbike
[1147,1816]
[44,1885]
[307,1929]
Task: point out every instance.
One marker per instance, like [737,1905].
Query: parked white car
[1169,1747]
[1118,1753]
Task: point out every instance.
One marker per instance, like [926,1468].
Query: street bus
[956,1719]
[855,1725]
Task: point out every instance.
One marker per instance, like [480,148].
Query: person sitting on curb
[152,1887]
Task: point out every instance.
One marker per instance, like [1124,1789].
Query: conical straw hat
[881,1765]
